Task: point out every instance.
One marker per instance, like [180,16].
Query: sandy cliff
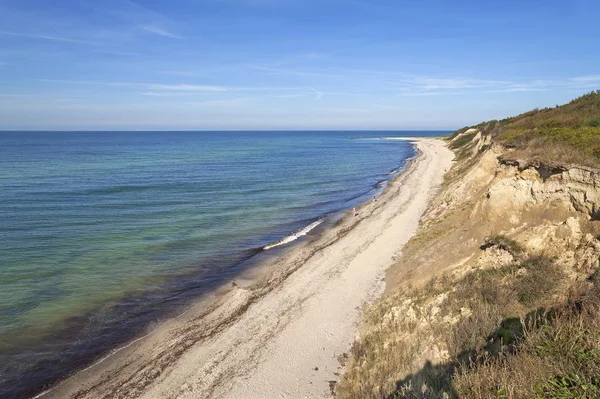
[503,238]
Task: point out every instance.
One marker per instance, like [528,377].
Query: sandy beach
[279,330]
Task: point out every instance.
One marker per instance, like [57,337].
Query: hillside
[568,133]
[497,295]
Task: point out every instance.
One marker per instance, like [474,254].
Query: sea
[104,234]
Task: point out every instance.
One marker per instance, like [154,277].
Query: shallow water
[103,233]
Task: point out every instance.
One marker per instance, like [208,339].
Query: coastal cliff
[497,294]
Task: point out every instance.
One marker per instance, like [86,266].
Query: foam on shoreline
[294,236]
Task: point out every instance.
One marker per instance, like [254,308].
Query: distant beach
[280,327]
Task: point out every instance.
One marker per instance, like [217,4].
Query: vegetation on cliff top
[565,134]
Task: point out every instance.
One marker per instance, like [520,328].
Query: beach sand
[279,331]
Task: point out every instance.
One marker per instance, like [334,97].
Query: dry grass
[537,147]
[540,279]
[566,134]
[505,243]
[388,361]
[385,353]
[582,111]
[559,359]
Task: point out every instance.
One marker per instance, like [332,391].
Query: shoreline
[195,345]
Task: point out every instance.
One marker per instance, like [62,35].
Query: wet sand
[278,330]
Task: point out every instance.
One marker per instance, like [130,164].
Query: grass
[566,134]
[559,359]
[538,282]
[428,235]
[574,114]
[503,314]
[556,145]
[459,131]
[461,141]
[505,243]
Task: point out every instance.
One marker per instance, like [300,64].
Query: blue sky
[290,64]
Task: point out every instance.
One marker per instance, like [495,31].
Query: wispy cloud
[159,31]
[46,37]
[586,82]
[186,87]
[411,85]
[90,82]
[149,86]
[145,19]
[166,94]
[586,79]
[219,103]
[318,94]
[417,83]
[520,89]
[422,93]
[436,83]
[163,89]
[116,52]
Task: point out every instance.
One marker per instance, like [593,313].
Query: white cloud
[318,94]
[159,31]
[521,88]
[185,87]
[46,37]
[219,103]
[422,93]
[587,79]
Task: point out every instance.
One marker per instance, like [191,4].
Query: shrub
[538,282]
[470,333]
[504,242]
[560,359]
[568,133]
[461,141]
[593,121]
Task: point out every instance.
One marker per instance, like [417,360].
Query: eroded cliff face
[551,211]
[493,215]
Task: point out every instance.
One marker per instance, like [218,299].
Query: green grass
[461,141]
[568,133]
[585,139]
[575,114]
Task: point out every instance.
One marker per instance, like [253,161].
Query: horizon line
[219,130]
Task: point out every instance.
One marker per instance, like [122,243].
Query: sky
[290,64]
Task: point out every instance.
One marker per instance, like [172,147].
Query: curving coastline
[280,327]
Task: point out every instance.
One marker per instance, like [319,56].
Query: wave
[294,236]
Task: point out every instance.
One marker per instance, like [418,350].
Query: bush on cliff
[568,133]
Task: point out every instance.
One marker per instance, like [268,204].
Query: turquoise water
[103,233]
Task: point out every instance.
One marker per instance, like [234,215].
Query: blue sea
[104,233]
